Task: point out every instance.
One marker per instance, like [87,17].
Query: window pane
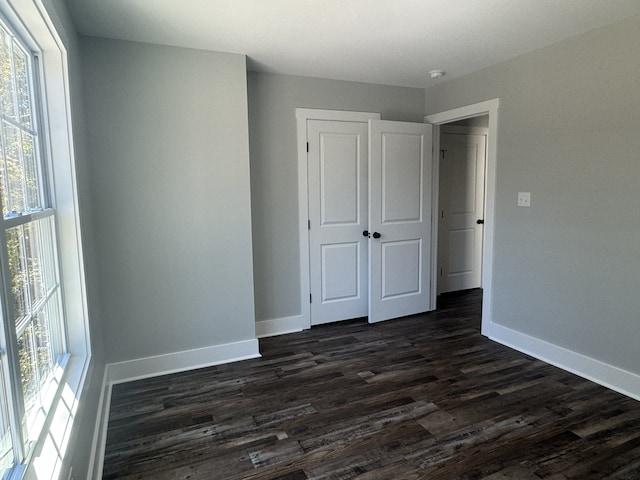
[37,359]
[39,348]
[14,172]
[20,70]
[18,271]
[19,172]
[7,97]
[30,250]
[47,248]
[19,162]
[33,253]
[45,348]
[30,173]
[28,370]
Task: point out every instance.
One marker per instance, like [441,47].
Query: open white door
[400,171]
[461,217]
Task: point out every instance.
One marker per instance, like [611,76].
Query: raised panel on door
[400,169]
[401,177]
[337,186]
[401,268]
[461,204]
[340,263]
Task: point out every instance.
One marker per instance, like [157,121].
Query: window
[33,334]
[45,349]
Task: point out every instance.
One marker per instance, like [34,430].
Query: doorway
[462,161]
[490,110]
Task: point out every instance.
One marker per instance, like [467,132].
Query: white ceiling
[394,42]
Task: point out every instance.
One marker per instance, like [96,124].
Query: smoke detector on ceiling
[437,73]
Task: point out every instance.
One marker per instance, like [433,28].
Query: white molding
[278,326]
[609,376]
[146,367]
[99,442]
[302,116]
[335,115]
[461,113]
[435,215]
[489,107]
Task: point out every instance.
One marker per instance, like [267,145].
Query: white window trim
[47,460]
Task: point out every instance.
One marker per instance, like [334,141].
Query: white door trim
[302,116]
[489,107]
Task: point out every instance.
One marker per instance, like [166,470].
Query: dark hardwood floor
[423,397]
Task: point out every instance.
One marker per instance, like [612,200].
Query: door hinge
[310,301]
[308,224]
[440,272]
[307,147]
[441,151]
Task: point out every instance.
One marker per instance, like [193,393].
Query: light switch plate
[524,199]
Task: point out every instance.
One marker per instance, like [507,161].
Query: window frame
[32,23]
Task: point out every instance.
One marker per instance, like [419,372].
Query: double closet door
[369,208]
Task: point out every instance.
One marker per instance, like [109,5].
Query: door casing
[490,108]
[399,136]
[302,116]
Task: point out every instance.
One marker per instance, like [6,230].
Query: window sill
[47,457]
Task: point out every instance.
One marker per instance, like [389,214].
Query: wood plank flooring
[423,397]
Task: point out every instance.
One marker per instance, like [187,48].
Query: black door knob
[366,234]
[376,235]
[480,221]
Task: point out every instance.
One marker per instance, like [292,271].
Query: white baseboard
[609,376]
[181,361]
[139,368]
[278,326]
[96,462]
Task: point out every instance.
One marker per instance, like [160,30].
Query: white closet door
[400,170]
[338,252]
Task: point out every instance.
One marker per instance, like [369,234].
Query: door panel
[400,270]
[400,166]
[337,186]
[401,188]
[340,278]
[462,240]
[461,205]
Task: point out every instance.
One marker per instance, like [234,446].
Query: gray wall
[274,172]
[167,134]
[567,269]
